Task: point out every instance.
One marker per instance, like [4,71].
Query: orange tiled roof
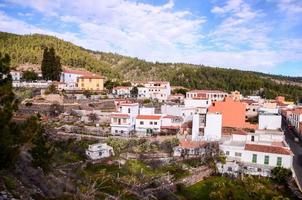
[154,117]
[93,76]
[74,71]
[206,91]
[267,149]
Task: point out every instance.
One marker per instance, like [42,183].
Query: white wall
[272,122]
[197,103]
[147,124]
[213,127]
[69,77]
[174,110]
[195,128]
[146,110]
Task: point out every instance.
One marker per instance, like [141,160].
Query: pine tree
[51,65]
[8,105]
[42,151]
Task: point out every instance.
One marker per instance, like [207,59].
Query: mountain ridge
[29,49]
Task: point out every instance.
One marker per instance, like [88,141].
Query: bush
[280,174]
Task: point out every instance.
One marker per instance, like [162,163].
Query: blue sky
[258,35]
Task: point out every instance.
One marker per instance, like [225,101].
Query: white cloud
[241,27]
[159,33]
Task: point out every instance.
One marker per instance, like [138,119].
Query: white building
[197,102]
[207,127]
[146,110]
[255,153]
[70,77]
[175,110]
[296,118]
[189,148]
[213,95]
[270,121]
[36,84]
[16,75]
[157,90]
[99,150]
[170,122]
[122,91]
[123,121]
[213,128]
[148,124]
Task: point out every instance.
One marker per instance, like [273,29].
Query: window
[279,161]
[227,153]
[116,131]
[97,85]
[254,160]
[128,110]
[155,123]
[141,123]
[82,84]
[151,123]
[237,154]
[253,138]
[266,160]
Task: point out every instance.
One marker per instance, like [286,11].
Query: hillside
[29,48]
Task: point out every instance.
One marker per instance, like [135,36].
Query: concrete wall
[272,122]
[213,127]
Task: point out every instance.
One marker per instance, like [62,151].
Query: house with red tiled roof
[122,91]
[296,118]
[156,90]
[255,153]
[213,95]
[123,122]
[70,76]
[171,123]
[189,148]
[77,79]
[148,124]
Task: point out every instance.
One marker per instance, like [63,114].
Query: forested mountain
[29,49]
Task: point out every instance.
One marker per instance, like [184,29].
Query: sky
[257,35]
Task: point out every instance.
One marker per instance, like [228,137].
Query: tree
[180,91]
[51,65]
[8,104]
[280,174]
[110,84]
[30,75]
[42,151]
[134,92]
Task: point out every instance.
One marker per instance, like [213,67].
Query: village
[167,133]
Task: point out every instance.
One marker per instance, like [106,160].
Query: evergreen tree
[8,105]
[42,151]
[51,65]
